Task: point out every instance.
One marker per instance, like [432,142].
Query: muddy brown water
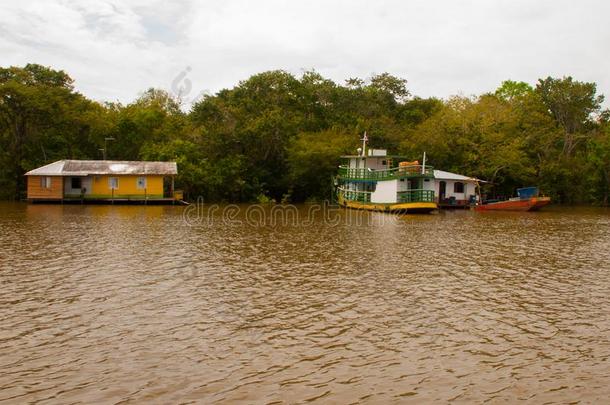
[108,304]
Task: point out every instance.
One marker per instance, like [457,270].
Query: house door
[442,190]
[167,187]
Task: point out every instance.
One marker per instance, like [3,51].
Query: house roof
[104,167]
[442,175]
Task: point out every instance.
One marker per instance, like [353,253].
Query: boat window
[76,182]
[141,183]
[113,183]
[458,187]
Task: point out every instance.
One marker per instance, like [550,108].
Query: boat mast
[423,164]
[364,139]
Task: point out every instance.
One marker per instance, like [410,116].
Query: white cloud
[116,49]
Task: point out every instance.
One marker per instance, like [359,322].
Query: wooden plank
[35,191]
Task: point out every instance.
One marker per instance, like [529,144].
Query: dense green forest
[278,137]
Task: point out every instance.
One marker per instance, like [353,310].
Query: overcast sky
[116,49]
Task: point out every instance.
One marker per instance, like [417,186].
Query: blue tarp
[527,192]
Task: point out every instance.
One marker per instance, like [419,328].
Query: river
[162,304]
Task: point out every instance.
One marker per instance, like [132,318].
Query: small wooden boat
[527,200]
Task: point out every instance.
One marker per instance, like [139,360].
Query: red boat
[528,200]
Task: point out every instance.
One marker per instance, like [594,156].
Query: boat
[528,199]
[375,181]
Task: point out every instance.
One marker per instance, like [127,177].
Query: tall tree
[573,105]
[40,118]
[510,90]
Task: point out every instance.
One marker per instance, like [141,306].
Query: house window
[141,183]
[458,187]
[76,183]
[113,183]
[384,162]
[45,182]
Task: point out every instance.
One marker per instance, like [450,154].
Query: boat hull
[411,208]
[530,204]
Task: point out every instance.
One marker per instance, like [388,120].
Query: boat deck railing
[409,196]
[353,195]
[418,195]
[368,174]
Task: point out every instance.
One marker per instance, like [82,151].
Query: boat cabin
[385,182]
[454,190]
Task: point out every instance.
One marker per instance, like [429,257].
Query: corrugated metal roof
[104,167]
[53,169]
[440,174]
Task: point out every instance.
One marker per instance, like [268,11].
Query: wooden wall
[55,192]
[128,187]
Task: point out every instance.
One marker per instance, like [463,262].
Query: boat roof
[443,175]
[102,167]
[375,157]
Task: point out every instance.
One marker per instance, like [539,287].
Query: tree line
[278,137]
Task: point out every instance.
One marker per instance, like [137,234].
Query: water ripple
[118,304]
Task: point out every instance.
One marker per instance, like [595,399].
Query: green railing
[415,196]
[347,173]
[351,195]
[402,196]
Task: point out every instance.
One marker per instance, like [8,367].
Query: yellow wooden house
[103,180]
